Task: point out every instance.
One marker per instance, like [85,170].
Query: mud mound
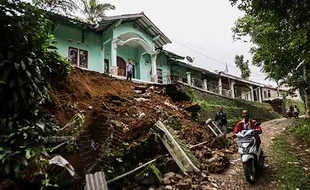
[119,116]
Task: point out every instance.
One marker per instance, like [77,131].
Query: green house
[110,45]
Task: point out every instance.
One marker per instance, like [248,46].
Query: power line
[211,57]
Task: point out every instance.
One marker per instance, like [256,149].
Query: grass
[285,171]
[301,131]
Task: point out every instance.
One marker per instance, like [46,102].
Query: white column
[205,84]
[232,83]
[154,68]
[220,86]
[252,92]
[114,58]
[188,74]
[260,94]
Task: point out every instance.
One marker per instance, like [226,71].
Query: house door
[121,64]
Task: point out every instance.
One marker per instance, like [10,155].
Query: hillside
[233,107]
[112,122]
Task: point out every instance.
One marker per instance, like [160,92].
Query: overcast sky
[203,25]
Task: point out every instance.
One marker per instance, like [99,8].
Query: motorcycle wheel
[249,171]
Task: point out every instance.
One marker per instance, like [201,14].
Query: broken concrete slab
[175,150]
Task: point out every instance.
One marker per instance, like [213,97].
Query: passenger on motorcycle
[246,123]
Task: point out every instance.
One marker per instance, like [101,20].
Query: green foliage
[28,62]
[280,32]
[301,131]
[94,10]
[243,66]
[233,109]
[192,93]
[66,7]
[284,171]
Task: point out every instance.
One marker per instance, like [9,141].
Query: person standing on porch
[221,120]
[129,70]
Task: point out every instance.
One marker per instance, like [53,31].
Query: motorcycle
[251,155]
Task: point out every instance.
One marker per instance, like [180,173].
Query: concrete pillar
[114,58]
[193,82]
[252,92]
[260,94]
[188,74]
[232,83]
[220,86]
[154,68]
[103,64]
[205,84]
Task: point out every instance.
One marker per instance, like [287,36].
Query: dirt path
[234,178]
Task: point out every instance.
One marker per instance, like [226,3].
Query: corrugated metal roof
[96,181]
[142,21]
[173,55]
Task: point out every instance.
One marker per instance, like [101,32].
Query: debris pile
[118,132]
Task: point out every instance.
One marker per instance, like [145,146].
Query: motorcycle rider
[246,124]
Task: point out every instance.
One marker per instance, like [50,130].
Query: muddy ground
[233,177]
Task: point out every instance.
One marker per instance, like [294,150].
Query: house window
[160,76]
[78,57]
[265,94]
[269,95]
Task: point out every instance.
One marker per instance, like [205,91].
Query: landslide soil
[93,94]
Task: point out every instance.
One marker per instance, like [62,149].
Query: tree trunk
[306,91]
[307,102]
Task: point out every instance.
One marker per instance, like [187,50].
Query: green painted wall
[92,44]
[143,67]
[162,63]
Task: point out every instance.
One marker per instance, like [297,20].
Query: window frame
[78,57]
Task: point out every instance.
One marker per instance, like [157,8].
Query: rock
[178,176]
[214,185]
[138,91]
[151,188]
[183,186]
[308,150]
[197,187]
[168,187]
[141,99]
[166,180]
[188,180]
[169,175]
[90,107]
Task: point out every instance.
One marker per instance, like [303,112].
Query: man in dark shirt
[221,120]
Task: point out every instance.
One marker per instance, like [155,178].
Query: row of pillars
[232,89]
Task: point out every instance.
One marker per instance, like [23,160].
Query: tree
[94,11]
[67,7]
[243,66]
[281,37]
[28,59]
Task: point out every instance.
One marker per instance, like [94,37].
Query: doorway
[121,64]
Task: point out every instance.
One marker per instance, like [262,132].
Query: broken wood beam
[175,150]
[193,146]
